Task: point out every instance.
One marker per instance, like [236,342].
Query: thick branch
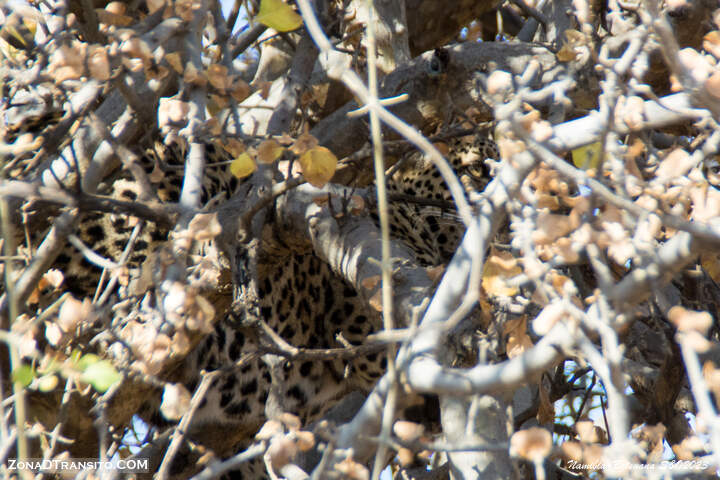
[435,90]
[350,248]
[669,110]
[160,214]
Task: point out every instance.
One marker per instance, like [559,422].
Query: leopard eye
[476,170]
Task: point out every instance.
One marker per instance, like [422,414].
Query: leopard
[300,298]
[310,306]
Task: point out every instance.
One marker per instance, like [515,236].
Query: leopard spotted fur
[308,306]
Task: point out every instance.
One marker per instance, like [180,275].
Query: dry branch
[437,90]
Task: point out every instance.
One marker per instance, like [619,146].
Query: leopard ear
[439,62]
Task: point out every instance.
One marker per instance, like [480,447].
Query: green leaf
[587,157]
[86,360]
[101,375]
[24,375]
[278,15]
[47,383]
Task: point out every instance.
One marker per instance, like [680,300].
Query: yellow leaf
[278,15]
[587,157]
[19,32]
[8,50]
[566,53]
[243,166]
[318,166]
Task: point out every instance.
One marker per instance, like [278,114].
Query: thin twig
[348,352]
[121,261]
[247,39]
[384,214]
[185,422]
[217,469]
[15,361]
[90,255]
[277,190]
[162,214]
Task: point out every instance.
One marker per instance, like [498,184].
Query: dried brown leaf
[53,334]
[239,90]
[269,430]
[281,451]
[68,62]
[552,226]
[518,340]
[712,85]
[499,268]
[533,444]
[352,469]
[269,151]
[689,320]
[194,76]
[174,60]
[172,112]
[711,43]
[405,456]
[705,203]
[218,77]
[98,63]
[376,300]
[72,313]
[117,8]
[110,18]
[155,5]
[631,111]
[499,83]
[408,431]
[291,422]
[205,226]
[175,401]
[676,164]
[304,143]
[697,66]
[305,441]
[234,147]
